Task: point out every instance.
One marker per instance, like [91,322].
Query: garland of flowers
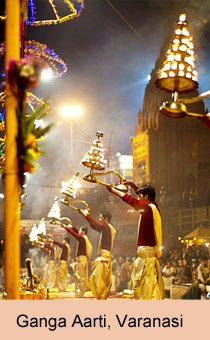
[23,75]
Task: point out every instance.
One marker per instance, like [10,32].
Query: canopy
[201,233]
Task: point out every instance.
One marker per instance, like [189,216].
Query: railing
[186,219]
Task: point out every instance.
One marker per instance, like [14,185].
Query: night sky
[109,61]
[109,52]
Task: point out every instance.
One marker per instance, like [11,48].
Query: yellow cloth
[89,247]
[49,276]
[81,274]
[158,229]
[146,275]
[100,280]
[62,275]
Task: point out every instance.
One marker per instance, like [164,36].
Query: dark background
[109,52]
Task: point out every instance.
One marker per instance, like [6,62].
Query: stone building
[173,153]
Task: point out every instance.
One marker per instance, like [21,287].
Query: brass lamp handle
[71,203]
[92,178]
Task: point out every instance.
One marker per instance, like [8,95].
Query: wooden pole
[12,191]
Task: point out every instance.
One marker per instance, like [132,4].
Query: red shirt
[81,250]
[65,249]
[205,120]
[51,250]
[146,234]
[104,229]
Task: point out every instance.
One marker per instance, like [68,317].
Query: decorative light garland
[31,12]
[2,119]
[190,242]
[39,50]
[54,9]
[2,153]
[74,13]
[32,100]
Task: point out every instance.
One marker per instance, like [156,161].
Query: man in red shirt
[83,253]
[146,273]
[100,280]
[62,270]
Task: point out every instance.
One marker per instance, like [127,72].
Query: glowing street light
[47,74]
[70,112]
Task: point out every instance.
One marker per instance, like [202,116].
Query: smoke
[107,73]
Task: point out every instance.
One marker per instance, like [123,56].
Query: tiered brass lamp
[177,75]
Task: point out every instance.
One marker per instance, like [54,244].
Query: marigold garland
[22,75]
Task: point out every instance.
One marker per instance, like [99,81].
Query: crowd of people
[179,266]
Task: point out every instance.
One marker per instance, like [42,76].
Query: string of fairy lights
[39,50]
[74,9]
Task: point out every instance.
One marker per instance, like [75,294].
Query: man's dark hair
[147,189]
[106,214]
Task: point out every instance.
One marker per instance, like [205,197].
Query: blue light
[81,5]
[32,12]
[2,116]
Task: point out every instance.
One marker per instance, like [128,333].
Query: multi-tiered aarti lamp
[94,159]
[33,235]
[69,188]
[42,227]
[36,234]
[177,75]
[55,213]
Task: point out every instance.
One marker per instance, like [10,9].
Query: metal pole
[12,193]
